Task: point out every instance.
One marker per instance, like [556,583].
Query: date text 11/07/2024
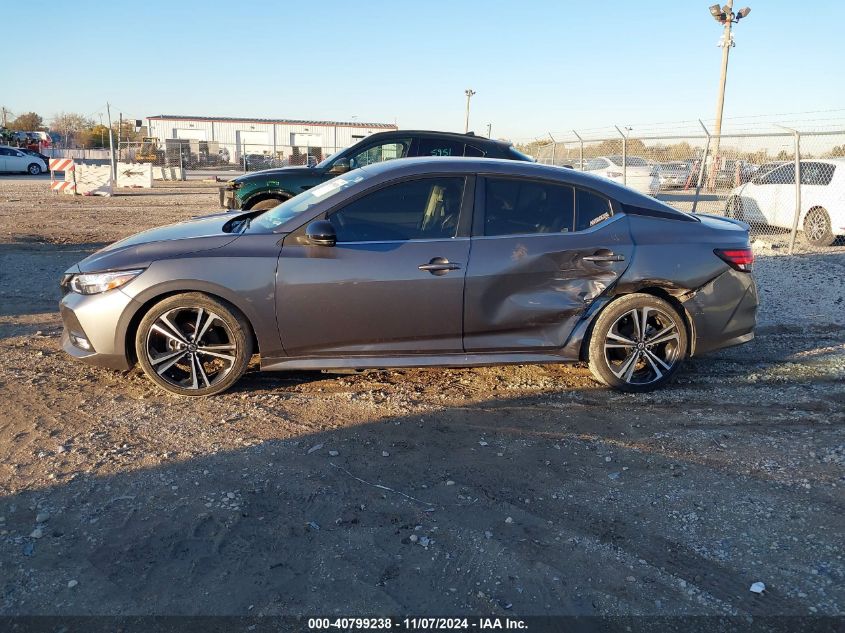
[417,624]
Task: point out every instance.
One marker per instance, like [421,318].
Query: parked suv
[266,189]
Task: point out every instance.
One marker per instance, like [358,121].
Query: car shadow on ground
[506,506]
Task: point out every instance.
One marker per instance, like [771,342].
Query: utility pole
[5,113]
[468,92]
[489,130]
[111,144]
[725,16]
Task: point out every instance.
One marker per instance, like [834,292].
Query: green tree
[28,122]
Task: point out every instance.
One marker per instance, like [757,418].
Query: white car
[769,198]
[14,160]
[639,174]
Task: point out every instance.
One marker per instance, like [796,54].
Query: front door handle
[604,257]
[439,266]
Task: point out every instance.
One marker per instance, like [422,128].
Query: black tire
[619,352]
[265,204]
[817,228]
[172,356]
[34,169]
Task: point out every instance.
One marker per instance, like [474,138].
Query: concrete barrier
[168,173]
[135,175]
[94,180]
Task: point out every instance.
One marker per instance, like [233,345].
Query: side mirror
[321,233]
[340,166]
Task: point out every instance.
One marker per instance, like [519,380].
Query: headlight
[95,283]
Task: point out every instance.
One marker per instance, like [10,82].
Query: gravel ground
[513,490]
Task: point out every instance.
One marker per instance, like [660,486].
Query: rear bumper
[723,312]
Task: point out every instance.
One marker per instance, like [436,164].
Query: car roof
[465,138]
[399,168]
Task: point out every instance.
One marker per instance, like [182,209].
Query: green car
[266,189]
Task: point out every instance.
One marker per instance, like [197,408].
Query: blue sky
[536,66]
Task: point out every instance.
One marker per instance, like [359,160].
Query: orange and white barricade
[68,184]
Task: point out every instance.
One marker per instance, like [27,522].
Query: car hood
[174,240]
[281,172]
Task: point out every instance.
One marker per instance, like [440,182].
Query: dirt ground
[524,490]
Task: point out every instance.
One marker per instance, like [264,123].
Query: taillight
[737,258]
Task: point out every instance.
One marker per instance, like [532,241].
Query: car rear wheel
[817,228]
[638,343]
[264,205]
[194,345]
[34,169]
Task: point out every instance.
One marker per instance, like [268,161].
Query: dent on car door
[541,254]
[392,284]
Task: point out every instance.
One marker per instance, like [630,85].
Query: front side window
[379,153]
[439,147]
[514,207]
[427,208]
[591,209]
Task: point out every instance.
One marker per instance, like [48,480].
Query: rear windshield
[515,154]
[631,161]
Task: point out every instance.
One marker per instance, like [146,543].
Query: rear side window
[439,147]
[816,173]
[515,207]
[591,209]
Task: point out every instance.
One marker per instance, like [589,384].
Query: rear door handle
[439,266]
[610,257]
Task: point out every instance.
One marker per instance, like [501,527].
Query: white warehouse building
[280,138]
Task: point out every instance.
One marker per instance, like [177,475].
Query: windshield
[630,161]
[287,210]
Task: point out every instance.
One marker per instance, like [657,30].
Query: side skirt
[442,360]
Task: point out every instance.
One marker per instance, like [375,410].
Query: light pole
[468,92]
[724,15]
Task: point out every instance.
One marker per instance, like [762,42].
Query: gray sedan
[447,262]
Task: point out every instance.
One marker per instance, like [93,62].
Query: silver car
[422,262]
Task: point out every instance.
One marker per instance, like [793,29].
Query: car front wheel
[266,204]
[817,228]
[194,345]
[638,343]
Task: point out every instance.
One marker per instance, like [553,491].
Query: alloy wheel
[817,226]
[642,346]
[191,348]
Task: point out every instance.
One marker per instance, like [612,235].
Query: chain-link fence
[788,186]
[213,155]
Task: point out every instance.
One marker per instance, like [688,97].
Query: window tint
[592,209]
[6,152]
[513,207]
[439,147]
[816,173]
[781,176]
[379,153]
[469,150]
[415,209]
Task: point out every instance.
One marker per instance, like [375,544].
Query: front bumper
[723,312]
[101,320]
[228,199]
